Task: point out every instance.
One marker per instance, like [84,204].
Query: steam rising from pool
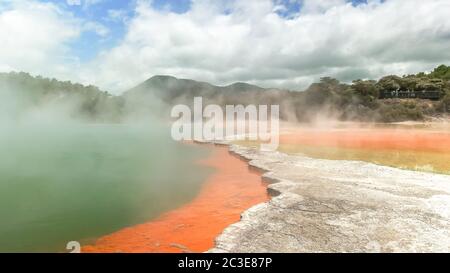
[63,179]
[75,182]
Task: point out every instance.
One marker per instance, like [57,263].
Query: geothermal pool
[78,182]
[413,147]
[132,189]
[419,147]
[230,190]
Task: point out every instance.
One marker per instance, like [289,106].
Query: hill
[170,90]
[390,99]
[21,93]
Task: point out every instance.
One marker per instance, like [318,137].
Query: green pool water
[79,182]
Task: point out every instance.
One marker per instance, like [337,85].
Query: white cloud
[319,6]
[117,15]
[34,37]
[226,41]
[100,29]
[73,2]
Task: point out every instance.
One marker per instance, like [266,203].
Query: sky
[116,44]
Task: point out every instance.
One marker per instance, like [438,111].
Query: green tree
[442,72]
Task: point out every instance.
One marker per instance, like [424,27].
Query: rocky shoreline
[340,206]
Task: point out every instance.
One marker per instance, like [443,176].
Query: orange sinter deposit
[229,191]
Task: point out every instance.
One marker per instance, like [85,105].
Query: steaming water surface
[64,183]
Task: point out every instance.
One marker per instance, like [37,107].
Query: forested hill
[170,91]
[390,99]
[21,92]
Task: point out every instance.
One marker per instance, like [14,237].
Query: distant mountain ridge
[169,88]
[171,91]
[363,100]
[165,80]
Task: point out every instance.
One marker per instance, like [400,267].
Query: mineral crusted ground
[341,206]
